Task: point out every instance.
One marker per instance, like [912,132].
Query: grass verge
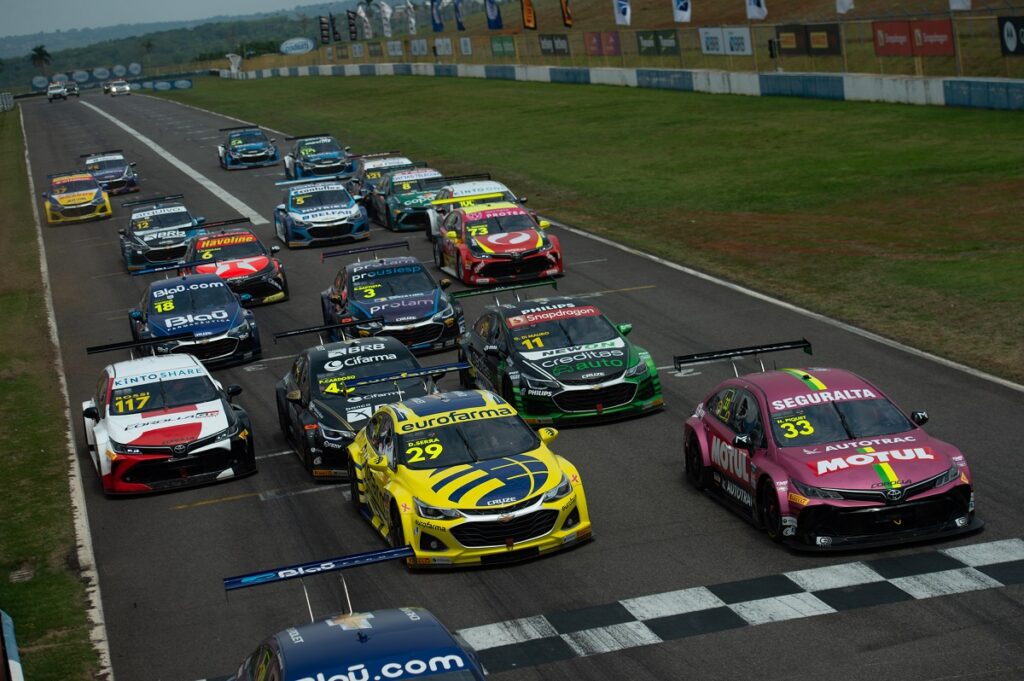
[899,219]
[36,532]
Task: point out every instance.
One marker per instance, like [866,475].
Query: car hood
[112,174]
[168,427]
[254,146]
[415,199]
[510,242]
[351,412]
[325,158]
[236,269]
[202,323]
[486,484]
[164,237]
[331,210]
[399,310]
[594,363]
[870,463]
[77,197]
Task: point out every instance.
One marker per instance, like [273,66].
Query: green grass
[36,532]
[900,219]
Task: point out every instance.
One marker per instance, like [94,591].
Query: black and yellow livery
[463,480]
[75,197]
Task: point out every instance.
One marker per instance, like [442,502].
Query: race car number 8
[416,454]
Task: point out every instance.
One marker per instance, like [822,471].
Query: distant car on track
[56,91]
[368,169]
[71,88]
[237,256]
[113,171]
[319,212]
[163,422]
[158,232]
[119,87]
[315,156]
[467,191]
[246,147]
[75,197]
[821,459]
[400,200]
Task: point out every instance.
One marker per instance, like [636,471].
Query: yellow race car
[75,197]
[462,479]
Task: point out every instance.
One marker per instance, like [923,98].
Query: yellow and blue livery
[75,197]
[461,479]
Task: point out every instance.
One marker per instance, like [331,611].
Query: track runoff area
[673,581]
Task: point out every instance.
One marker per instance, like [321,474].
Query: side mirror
[293,395]
[245,297]
[273,139]
[133,164]
[335,297]
[44,194]
[280,207]
[377,464]
[91,413]
[122,231]
[200,221]
[453,235]
[275,249]
[547,434]
[743,442]
[544,224]
[522,199]
[445,283]
[624,329]
[135,315]
[491,350]
[348,148]
[233,390]
[919,417]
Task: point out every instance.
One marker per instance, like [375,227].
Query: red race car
[491,243]
[238,257]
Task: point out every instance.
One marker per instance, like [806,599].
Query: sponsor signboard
[375,50]
[503,46]
[791,39]
[933,37]
[418,47]
[824,39]
[297,46]
[554,45]
[1011,35]
[592,43]
[395,48]
[443,47]
[892,38]
[646,44]
[610,43]
[357,50]
[712,41]
[341,51]
[465,45]
[737,40]
[668,42]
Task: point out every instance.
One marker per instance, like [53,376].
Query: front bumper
[223,350]
[155,473]
[504,270]
[262,289]
[81,213]
[829,527]
[618,400]
[255,161]
[120,186]
[321,233]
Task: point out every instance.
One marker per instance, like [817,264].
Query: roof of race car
[388,162]
[791,388]
[335,645]
[318,354]
[538,304]
[104,157]
[477,187]
[158,367]
[443,403]
[471,211]
[381,263]
[72,177]
[416,174]
[173,282]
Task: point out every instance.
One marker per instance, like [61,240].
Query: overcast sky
[23,16]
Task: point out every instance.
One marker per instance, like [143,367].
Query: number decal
[130,403]
[373,175]
[207,255]
[332,388]
[795,427]
[142,224]
[532,343]
[307,151]
[368,292]
[466,203]
[163,305]
[419,454]
[406,185]
[477,230]
[299,200]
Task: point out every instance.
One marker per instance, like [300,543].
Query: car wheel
[771,515]
[353,487]
[396,533]
[282,418]
[438,256]
[458,268]
[307,458]
[696,472]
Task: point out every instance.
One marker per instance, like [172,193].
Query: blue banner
[435,16]
[493,15]
[458,16]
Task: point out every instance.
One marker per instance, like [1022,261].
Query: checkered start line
[648,620]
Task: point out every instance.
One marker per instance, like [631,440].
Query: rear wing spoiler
[402,375]
[152,199]
[377,154]
[318,180]
[67,172]
[316,567]
[680,361]
[468,200]
[131,345]
[327,327]
[438,182]
[302,137]
[225,223]
[502,289]
[239,127]
[364,249]
[172,266]
[97,153]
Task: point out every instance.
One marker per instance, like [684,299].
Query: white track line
[794,308]
[79,511]
[215,189]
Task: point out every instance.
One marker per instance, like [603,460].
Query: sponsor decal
[821,397]
[172,291]
[395,670]
[169,374]
[358,360]
[307,190]
[541,315]
[499,502]
[865,443]
[356,349]
[359,275]
[797,499]
[867,456]
[214,317]
[456,417]
[356,620]
[481,213]
[735,491]
[734,461]
[174,418]
[218,242]
[294,635]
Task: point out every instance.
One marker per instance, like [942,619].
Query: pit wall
[985,93]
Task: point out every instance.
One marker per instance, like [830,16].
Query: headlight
[949,476]
[117,447]
[242,331]
[541,383]
[332,434]
[815,492]
[445,313]
[562,490]
[229,432]
[638,369]
[98,199]
[297,220]
[433,512]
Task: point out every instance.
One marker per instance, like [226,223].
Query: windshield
[466,442]
[162,395]
[247,137]
[74,186]
[560,328]
[167,218]
[319,198]
[388,282]
[320,146]
[196,297]
[478,225]
[333,374]
[837,421]
[105,164]
[229,247]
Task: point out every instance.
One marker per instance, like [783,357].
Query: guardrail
[9,646]
[6,101]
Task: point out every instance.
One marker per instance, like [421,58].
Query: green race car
[401,201]
[559,360]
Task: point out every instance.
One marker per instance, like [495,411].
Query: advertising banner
[712,41]
[529,15]
[554,45]
[610,43]
[395,48]
[737,40]
[592,43]
[357,50]
[503,46]
[443,47]
[341,51]
[892,38]
[791,39]
[824,39]
[465,45]
[668,42]
[353,32]
[493,15]
[1011,35]
[933,37]
[646,44]
[375,50]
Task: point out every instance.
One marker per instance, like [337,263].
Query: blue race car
[316,156]
[203,305]
[396,297]
[398,643]
[158,232]
[316,212]
[247,147]
[113,171]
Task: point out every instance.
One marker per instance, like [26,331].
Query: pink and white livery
[822,459]
[163,422]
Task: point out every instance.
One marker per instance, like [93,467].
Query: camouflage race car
[158,232]
[75,197]
[315,156]
[246,146]
[559,360]
[113,171]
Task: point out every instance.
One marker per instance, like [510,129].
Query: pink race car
[822,459]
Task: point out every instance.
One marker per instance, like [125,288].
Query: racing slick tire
[395,532]
[465,379]
[695,470]
[768,509]
[438,258]
[353,487]
[282,418]
[458,268]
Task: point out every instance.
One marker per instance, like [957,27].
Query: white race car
[163,422]
[479,191]
[119,87]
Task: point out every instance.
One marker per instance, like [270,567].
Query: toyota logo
[179,449]
[893,494]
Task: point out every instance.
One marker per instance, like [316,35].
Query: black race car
[315,156]
[331,391]
[400,292]
[158,232]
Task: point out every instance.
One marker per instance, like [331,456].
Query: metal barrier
[6,101]
[11,670]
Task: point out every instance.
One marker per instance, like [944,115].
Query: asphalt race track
[161,558]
